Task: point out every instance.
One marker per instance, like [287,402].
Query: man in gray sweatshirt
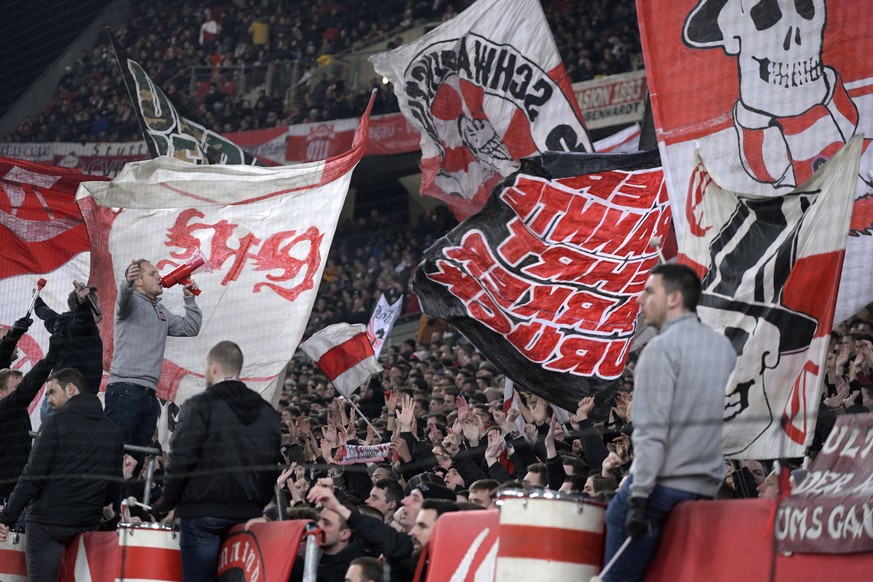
[142,325]
[677,411]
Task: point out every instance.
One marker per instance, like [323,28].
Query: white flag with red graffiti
[264,231]
[485,89]
[770,268]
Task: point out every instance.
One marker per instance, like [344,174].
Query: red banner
[389,134]
[263,553]
[463,546]
[830,511]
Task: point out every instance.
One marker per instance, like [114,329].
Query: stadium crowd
[168,38]
[436,435]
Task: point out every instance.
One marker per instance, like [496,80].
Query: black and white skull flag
[485,89]
[770,268]
[767,91]
[544,280]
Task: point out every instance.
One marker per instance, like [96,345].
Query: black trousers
[44,547]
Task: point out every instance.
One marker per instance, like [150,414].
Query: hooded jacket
[224,454]
[74,469]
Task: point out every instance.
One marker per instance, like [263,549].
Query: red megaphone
[182,274]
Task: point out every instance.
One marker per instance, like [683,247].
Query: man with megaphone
[142,325]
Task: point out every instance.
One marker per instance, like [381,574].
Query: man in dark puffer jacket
[223,462]
[74,470]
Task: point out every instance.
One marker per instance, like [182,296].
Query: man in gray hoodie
[677,411]
[142,325]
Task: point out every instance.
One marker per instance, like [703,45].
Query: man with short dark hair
[385,496]
[482,492]
[74,470]
[142,325]
[365,569]
[426,519]
[223,461]
[679,396]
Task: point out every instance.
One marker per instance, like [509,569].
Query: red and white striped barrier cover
[549,536]
[13,566]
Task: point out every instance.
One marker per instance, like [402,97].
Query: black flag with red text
[544,279]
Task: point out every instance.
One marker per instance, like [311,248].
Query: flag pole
[362,415]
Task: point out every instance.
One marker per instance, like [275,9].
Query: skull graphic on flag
[770,268]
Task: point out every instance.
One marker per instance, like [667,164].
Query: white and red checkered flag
[264,231]
[344,353]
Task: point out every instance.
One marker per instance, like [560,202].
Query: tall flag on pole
[264,231]
[544,280]
[766,91]
[165,131]
[485,89]
[343,352]
[42,234]
[382,322]
[770,267]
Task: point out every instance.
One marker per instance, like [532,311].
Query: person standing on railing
[142,325]
[677,417]
[73,471]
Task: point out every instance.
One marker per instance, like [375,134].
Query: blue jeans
[200,543]
[134,409]
[632,563]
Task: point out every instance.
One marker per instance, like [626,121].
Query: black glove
[19,328]
[637,520]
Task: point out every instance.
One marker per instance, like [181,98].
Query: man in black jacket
[83,347]
[16,394]
[223,462]
[74,470]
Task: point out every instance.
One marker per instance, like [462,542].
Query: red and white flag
[264,231]
[42,235]
[344,353]
[485,89]
[770,268]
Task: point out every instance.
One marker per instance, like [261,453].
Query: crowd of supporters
[168,38]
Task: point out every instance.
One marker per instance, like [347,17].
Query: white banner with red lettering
[264,231]
[770,268]
[485,89]
[766,91]
[613,100]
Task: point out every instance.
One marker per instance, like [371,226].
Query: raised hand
[585,406]
[622,403]
[406,416]
[495,445]
[463,408]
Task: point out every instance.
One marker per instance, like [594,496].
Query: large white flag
[770,269]
[485,89]
[264,231]
[382,322]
